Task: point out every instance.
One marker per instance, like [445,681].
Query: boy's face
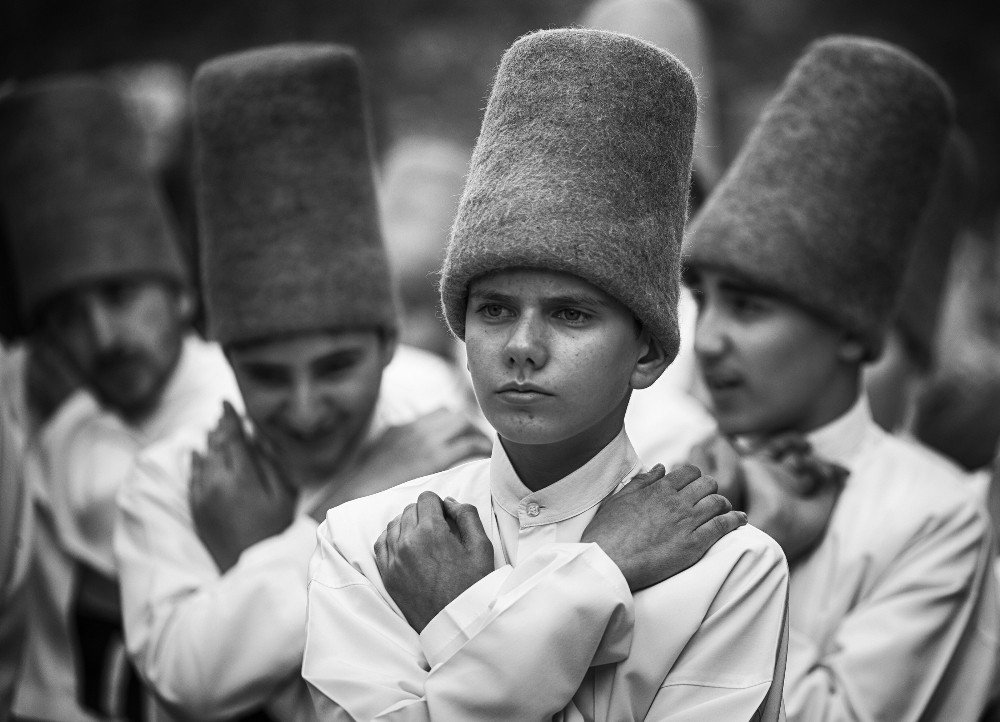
[552,357]
[124,336]
[312,395]
[769,366]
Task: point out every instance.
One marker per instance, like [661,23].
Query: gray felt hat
[582,166]
[79,206]
[822,202]
[290,233]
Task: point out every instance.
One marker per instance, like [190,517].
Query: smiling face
[769,366]
[553,358]
[312,395]
[124,336]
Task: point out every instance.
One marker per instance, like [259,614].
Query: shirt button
[533,509]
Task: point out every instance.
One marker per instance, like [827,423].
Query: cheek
[355,394]
[261,403]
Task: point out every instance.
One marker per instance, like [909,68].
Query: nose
[304,410]
[102,324]
[526,346]
[711,339]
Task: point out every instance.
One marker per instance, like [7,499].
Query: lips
[719,381]
[515,393]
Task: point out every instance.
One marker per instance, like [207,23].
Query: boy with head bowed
[297,291]
[111,366]
[796,260]
[557,579]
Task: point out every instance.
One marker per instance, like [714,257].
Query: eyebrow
[568,299]
[736,286]
[491,295]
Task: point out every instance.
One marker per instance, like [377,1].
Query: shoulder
[161,470]
[202,381]
[750,547]
[357,523]
[917,478]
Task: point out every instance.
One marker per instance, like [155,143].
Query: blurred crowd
[227,316]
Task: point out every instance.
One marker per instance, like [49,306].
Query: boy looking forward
[557,579]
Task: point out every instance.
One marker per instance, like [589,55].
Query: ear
[185,304]
[652,361]
[852,349]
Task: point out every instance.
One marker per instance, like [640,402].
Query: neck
[541,465]
[840,397]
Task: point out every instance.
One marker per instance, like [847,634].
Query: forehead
[709,278]
[95,290]
[304,347]
[531,283]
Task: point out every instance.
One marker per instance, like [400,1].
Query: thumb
[271,478]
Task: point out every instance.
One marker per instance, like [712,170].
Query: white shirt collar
[586,487]
[840,440]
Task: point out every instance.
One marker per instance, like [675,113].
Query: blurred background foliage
[430,62]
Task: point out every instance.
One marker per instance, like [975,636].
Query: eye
[573,315]
[334,365]
[265,374]
[119,293]
[494,311]
[746,305]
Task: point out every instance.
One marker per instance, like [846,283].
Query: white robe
[217,645]
[553,632]
[895,615]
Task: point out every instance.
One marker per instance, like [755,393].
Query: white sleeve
[733,666]
[210,645]
[516,645]
[83,456]
[899,645]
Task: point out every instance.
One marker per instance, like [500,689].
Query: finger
[710,506]
[392,533]
[428,509]
[681,477]
[466,518]
[381,553]
[408,519]
[641,481]
[195,482]
[782,445]
[272,479]
[701,458]
[718,526]
[699,489]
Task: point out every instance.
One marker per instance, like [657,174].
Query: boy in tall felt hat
[112,364]
[796,260]
[297,291]
[558,578]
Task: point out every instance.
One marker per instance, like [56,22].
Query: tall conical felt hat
[582,166]
[289,222]
[821,204]
[678,27]
[78,204]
